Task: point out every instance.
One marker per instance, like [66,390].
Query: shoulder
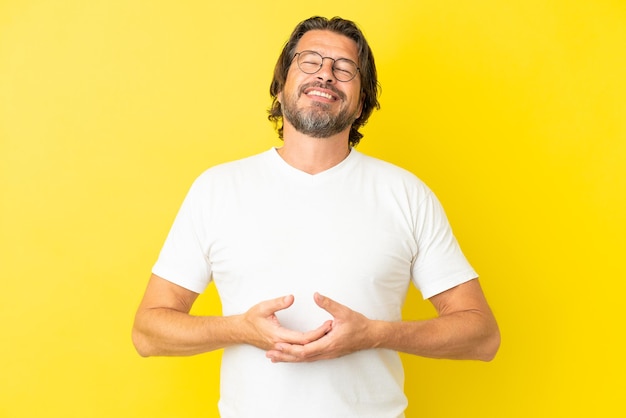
[393,175]
[236,170]
[245,164]
[223,179]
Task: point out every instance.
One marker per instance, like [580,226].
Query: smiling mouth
[320,94]
[327,92]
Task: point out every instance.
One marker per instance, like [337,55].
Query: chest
[355,247]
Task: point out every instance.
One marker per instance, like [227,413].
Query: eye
[345,66]
[310,57]
[309,62]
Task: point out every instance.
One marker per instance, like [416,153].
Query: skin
[320,97]
[464,328]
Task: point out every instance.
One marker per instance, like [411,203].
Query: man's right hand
[164,327]
[263,329]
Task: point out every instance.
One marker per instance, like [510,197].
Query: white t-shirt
[358,233]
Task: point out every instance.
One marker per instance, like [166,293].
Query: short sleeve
[183,258]
[439,264]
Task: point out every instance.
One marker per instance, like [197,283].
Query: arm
[465,328]
[163,325]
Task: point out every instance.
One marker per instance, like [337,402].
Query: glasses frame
[295,57]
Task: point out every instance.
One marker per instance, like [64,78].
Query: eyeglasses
[311,62]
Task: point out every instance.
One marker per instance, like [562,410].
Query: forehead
[329,44]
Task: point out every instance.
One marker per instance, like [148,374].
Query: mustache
[325,86]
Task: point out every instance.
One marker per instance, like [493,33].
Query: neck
[313,155]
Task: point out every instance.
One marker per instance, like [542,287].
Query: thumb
[327,304]
[270,306]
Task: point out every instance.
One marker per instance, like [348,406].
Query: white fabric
[358,233]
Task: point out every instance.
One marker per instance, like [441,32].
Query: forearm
[165,328]
[470,335]
[168,332]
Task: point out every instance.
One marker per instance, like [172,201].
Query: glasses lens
[344,69]
[309,62]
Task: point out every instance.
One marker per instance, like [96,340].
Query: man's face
[317,104]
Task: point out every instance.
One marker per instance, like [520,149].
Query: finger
[277,356]
[329,305]
[287,353]
[294,353]
[268,307]
[300,338]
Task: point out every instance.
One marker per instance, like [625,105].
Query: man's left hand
[350,332]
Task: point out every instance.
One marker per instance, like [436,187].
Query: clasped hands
[346,333]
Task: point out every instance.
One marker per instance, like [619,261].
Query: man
[312,247]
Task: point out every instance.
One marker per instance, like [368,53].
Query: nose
[326,72]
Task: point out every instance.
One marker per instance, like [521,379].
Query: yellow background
[514,112]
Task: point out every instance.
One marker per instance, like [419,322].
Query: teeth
[320,94]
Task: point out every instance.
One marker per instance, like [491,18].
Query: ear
[279,97]
[361,102]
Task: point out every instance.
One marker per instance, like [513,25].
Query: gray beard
[317,122]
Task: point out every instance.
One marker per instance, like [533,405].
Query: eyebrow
[325,56]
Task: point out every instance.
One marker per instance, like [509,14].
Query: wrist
[378,333]
[238,326]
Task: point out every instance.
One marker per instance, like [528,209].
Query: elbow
[142,346]
[490,346]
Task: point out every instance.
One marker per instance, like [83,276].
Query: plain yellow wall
[514,112]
